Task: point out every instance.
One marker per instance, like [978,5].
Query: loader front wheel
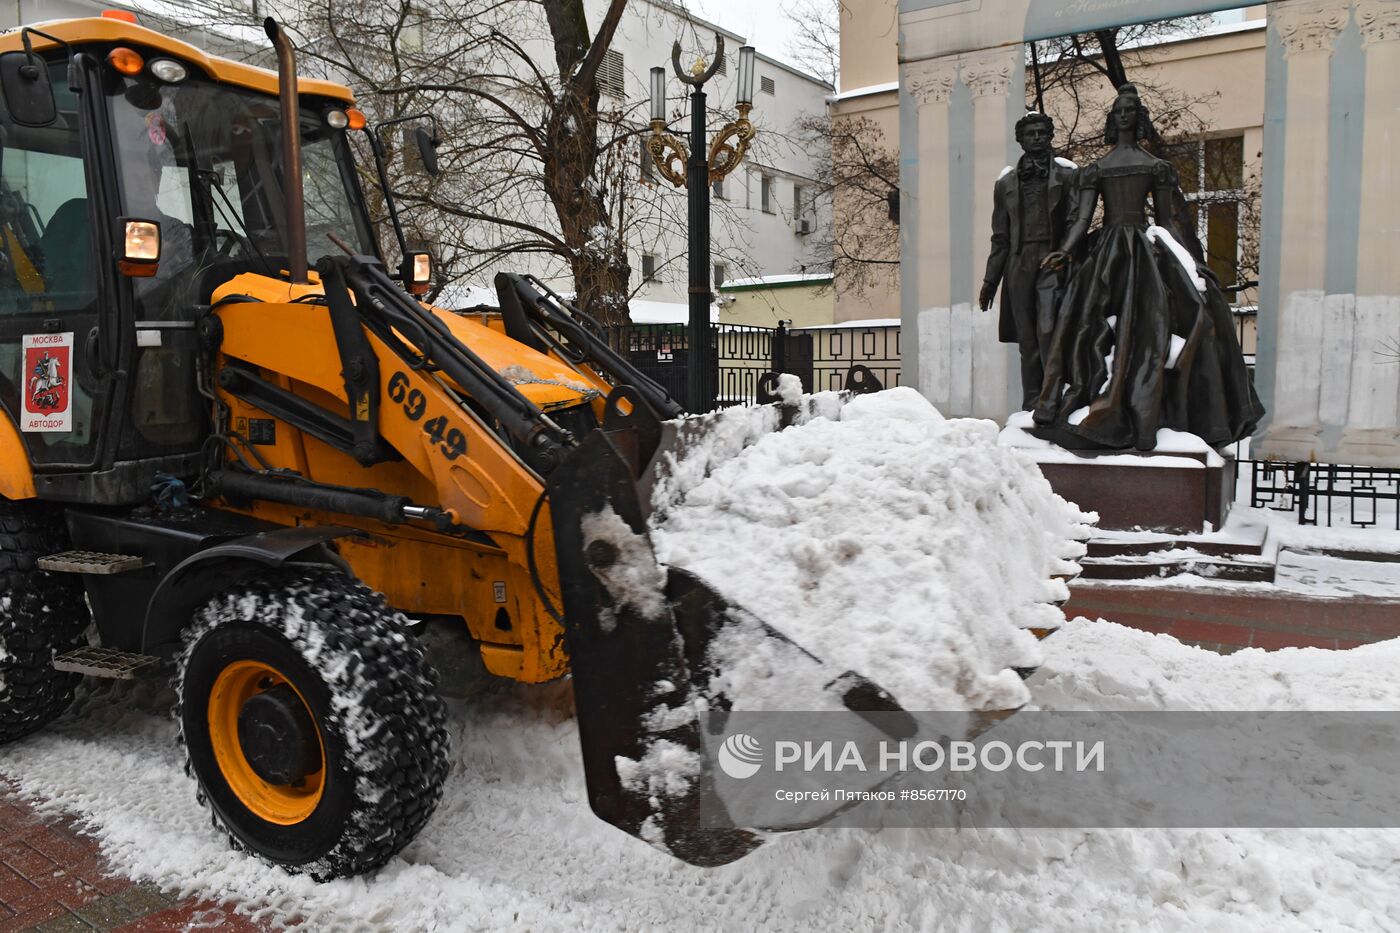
[41,614]
[311,722]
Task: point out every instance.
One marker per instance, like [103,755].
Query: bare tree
[539,148]
[815,43]
[859,173]
[1069,77]
[858,168]
[1069,74]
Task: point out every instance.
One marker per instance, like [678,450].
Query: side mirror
[427,150]
[24,80]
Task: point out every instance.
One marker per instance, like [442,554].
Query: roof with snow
[664,312]
[776,281]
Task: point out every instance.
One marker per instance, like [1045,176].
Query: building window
[765,194]
[719,275]
[717,189]
[648,166]
[767,86]
[797,203]
[1212,178]
[612,74]
[892,205]
[648,267]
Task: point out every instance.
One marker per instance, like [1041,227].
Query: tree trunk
[598,256]
[1112,57]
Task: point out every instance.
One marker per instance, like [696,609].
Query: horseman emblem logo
[48,367]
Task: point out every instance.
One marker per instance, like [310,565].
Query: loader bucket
[648,646]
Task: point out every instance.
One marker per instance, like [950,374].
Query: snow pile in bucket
[880,536]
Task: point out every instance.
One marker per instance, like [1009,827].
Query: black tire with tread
[373,698]
[41,614]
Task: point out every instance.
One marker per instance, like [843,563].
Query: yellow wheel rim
[284,804]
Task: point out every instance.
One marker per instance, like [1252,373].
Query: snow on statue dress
[1143,339]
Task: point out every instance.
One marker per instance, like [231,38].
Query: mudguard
[204,573]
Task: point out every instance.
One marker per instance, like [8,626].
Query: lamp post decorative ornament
[696,167]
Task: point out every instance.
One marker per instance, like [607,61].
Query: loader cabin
[137,174]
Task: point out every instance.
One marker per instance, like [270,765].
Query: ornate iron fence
[1359,496]
[743,353]
[836,349]
[821,356]
[661,351]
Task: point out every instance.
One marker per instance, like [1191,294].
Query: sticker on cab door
[48,377]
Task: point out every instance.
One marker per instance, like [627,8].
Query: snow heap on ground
[881,537]
[1108,667]
[513,844]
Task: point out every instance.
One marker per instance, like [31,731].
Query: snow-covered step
[1172,562]
[1244,540]
[1339,572]
[95,562]
[106,662]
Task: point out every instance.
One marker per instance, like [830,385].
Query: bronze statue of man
[1033,206]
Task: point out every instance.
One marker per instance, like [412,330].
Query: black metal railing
[1358,496]
[821,356]
[742,354]
[661,351]
[836,349]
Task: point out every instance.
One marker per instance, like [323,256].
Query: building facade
[765,216]
[868,103]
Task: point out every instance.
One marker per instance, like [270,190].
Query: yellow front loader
[236,448]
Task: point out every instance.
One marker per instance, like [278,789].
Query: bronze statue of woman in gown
[1144,338]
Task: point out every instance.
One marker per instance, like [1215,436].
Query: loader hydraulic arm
[424,341]
[532,310]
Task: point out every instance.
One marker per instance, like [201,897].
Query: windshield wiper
[229,216]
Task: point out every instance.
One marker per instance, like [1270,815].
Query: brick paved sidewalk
[53,879]
[1225,621]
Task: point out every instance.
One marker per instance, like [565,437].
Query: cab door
[50,382]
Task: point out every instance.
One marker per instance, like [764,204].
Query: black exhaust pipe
[291,150]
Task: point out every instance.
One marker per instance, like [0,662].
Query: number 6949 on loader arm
[270,468]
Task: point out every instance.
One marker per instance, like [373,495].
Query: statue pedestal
[1180,488]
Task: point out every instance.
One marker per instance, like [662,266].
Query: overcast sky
[762,22]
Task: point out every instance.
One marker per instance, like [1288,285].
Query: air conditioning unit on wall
[804,226]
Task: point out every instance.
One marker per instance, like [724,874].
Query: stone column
[1308,29]
[1372,434]
[1378,271]
[989,77]
[930,84]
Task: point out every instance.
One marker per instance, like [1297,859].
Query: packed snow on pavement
[514,844]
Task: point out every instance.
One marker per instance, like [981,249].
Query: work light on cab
[420,269]
[140,251]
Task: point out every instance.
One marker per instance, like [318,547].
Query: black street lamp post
[702,165]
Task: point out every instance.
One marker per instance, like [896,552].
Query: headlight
[169,70]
